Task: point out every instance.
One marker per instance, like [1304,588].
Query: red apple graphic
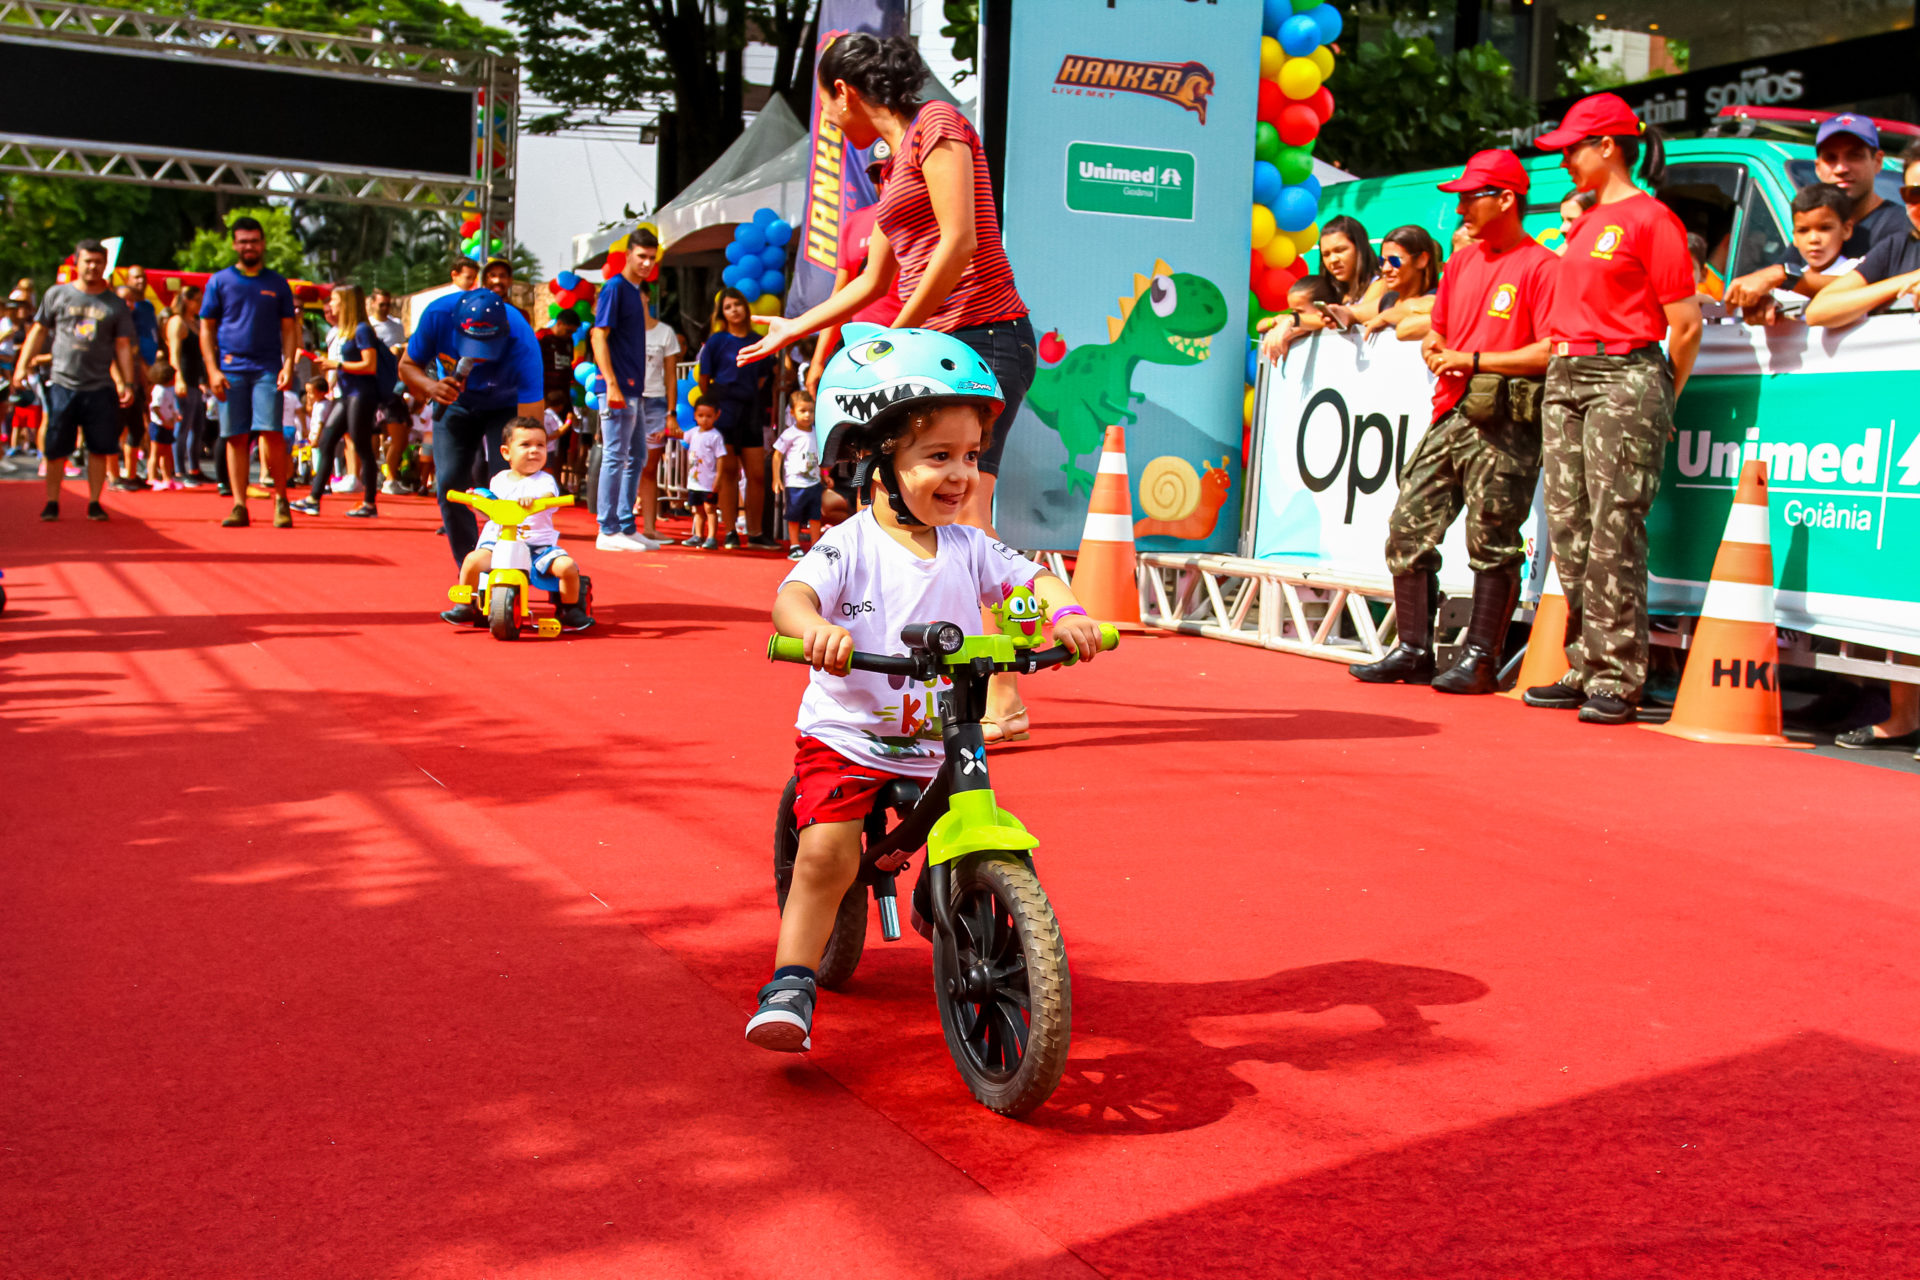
[1052,347]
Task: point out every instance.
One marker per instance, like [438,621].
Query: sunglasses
[1911,194]
[1393,260]
[1481,193]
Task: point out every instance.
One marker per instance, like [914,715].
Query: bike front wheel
[1007,1010]
[500,614]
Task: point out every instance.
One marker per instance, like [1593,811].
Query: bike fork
[884,898]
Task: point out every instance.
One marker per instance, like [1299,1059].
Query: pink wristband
[1065,611]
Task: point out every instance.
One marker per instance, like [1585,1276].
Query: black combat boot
[1478,670]
[1416,603]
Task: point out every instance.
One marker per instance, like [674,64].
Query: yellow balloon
[1323,59]
[1246,409]
[1305,240]
[693,395]
[1263,228]
[765,305]
[1272,56]
[1300,77]
[1279,253]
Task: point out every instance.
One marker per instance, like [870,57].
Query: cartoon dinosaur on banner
[1093,387]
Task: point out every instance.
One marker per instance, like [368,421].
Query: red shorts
[832,788]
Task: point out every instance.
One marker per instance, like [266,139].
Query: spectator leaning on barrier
[1890,269]
[1487,350]
[93,374]
[496,379]
[1822,222]
[1847,154]
[249,335]
[1624,283]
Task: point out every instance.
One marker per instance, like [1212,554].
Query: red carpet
[338,944]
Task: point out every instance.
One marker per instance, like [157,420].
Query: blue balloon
[772,282]
[750,238]
[730,275]
[1330,22]
[750,290]
[773,258]
[779,231]
[1266,183]
[567,280]
[1311,184]
[1296,210]
[764,217]
[1253,367]
[1300,35]
[583,372]
[1276,13]
[733,251]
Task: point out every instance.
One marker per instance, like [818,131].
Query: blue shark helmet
[878,374]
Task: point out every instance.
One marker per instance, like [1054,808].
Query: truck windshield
[1887,184]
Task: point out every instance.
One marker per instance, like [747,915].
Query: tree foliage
[42,218]
[433,23]
[1401,105]
[212,247]
[680,57]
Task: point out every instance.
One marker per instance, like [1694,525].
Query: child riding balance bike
[875,726]
[519,547]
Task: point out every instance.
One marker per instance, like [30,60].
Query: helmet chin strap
[883,464]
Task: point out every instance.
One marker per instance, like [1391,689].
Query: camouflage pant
[1491,471]
[1606,420]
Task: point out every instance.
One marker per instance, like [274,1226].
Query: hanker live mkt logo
[1188,84]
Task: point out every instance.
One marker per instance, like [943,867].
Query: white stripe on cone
[1552,586]
[1747,522]
[1113,463]
[1738,602]
[1104,526]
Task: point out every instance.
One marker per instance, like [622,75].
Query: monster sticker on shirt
[914,721]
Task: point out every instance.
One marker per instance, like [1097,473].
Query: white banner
[1335,426]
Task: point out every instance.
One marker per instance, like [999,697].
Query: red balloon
[1322,103]
[1271,288]
[1272,102]
[1259,269]
[1297,268]
[616,263]
[1298,125]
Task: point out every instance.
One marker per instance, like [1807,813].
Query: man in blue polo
[249,336]
[502,381]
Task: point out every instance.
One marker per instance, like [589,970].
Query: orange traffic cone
[1546,659]
[1730,691]
[1104,575]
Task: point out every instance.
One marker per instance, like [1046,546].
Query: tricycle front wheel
[1008,1009]
[501,619]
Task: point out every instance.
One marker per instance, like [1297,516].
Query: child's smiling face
[526,450]
[939,465]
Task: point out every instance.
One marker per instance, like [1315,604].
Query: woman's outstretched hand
[781,334]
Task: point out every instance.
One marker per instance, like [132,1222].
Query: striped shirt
[985,293]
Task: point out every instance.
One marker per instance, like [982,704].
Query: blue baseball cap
[480,325]
[1859,126]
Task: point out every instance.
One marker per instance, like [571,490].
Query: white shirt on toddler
[873,586]
[705,448]
[163,406]
[799,460]
[536,530]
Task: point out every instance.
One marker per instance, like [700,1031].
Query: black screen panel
[175,103]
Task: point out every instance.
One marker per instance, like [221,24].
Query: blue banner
[837,181]
[1129,174]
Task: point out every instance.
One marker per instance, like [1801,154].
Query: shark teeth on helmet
[863,406]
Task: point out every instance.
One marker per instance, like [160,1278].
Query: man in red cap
[1488,348]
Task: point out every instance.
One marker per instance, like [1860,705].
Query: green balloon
[1295,163]
[583,309]
[1302,6]
[1266,142]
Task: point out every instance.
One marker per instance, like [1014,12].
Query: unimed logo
[1189,84]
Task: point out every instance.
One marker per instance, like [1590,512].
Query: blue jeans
[186,436]
[623,453]
[252,405]
[465,439]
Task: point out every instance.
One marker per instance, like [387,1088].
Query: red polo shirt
[1624,263]
[1491,302]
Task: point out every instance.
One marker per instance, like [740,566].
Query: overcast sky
[569,185]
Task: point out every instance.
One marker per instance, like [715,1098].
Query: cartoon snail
[1180,502]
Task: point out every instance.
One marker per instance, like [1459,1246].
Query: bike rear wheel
[1008,1010]
[849,938]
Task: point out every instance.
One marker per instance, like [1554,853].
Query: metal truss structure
[1274,606]
[492,77]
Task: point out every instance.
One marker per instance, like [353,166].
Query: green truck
[1734,192]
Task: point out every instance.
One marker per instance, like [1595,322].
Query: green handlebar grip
[1109,636]
[786,649]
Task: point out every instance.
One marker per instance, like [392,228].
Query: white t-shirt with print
[705,448]
[536,530]
[163,406]
[290,410]
[799,459]
[662,342]
[873,586]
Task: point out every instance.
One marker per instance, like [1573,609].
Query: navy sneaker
[784,1023]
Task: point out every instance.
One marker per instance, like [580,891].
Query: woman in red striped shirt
[935,247]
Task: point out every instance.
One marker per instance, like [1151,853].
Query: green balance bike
[999,966]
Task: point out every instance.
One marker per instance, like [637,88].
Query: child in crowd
[420,441]
[525,481]
[797,477]
[163,415]
[906,558]
[314,408]
[1822,221]
[1301,297]
[705,449]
